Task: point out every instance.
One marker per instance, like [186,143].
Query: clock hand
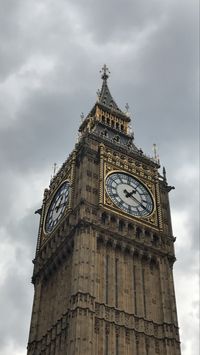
[140,203]
[60,205]
[129,194]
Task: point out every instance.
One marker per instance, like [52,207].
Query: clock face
[129,194]
[57,207]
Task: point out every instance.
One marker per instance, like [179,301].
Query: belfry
[103,270]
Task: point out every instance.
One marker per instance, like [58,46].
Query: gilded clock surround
[66,173]
[108,200]
[112,162]
[65,211]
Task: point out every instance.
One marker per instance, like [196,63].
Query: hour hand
[59,206]
[129,194]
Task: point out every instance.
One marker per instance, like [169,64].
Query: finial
[127,113]
[54,170]
[130,129]
[155,151]
[98,95]
[127,107]
[105,71]
[164,174]
[79,135]
[82,117]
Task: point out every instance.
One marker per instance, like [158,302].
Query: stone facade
[103,279]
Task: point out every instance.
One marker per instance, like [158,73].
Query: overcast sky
[51,52]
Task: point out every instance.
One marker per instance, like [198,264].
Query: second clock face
[57,207]
[129,194]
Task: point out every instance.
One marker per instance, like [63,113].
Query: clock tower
[103,270]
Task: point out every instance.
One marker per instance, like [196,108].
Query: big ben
[103,269]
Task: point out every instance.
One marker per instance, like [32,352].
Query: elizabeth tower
[103,270]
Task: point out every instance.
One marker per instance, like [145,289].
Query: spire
[104,96]
[106,110]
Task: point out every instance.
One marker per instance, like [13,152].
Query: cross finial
[105,72]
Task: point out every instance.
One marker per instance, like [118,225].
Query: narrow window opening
[117,345]
[134,289]
[138,233]
[106,344]
[121,226]
[116,282]
[107,276]
[144,292]
[104,218]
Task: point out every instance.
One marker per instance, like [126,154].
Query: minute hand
[141,204]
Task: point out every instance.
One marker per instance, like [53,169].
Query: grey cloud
[151,50]
[109,21]
[16,289]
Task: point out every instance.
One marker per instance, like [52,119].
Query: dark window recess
[95,191]
[147,234]
[121,226]
[130,227]
[155,239]
[88,188]
[138,233]
[122,127]
[134,289]
[116,282]
[117,345]
[104,218]
[107,276]
[113,220]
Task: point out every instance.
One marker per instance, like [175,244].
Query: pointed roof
[105,97]
[105,100]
